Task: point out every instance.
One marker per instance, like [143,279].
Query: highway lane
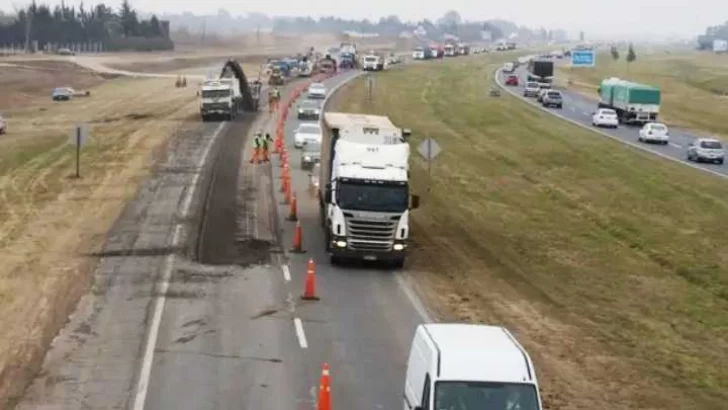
[578,109]
[364,322]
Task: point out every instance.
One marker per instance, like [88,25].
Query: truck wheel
[204,118]
[335,260]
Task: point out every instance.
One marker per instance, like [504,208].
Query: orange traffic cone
[284,182]
[309,292]
[298,241]
[292,213]
[284,159]
[324,395]
[287,192]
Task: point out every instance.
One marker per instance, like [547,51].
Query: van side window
[426,393]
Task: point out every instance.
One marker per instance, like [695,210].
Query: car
[3,125]
[310,154]
[605,117]
[654,132]
[552,98]
[512,80]
[309,110]
[532,89]
[305,133]
[65,52]
[316,91]
[62,94]
[706,150]
[469,366]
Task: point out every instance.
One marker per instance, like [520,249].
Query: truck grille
[216,106]
[371,235]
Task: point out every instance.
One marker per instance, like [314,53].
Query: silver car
[310,154]
[706,150]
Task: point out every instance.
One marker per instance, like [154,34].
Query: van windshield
[485,396]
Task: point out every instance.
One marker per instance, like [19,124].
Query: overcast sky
[599,18]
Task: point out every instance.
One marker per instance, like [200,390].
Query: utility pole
[204,29]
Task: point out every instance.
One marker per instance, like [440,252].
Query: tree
[615,53]
[631,56]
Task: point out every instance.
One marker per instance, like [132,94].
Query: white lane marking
[300,333]
[414,299]
[286,273]
[672,144]
[146,369]
[614,137]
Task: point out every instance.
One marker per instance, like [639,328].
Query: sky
[598,19]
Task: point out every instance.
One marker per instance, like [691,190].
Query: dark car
[552,99]
[308,110]
[512,80]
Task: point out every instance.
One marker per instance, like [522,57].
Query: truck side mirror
[327,193]
[415,202]
[406,133]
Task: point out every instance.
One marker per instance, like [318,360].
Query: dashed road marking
[286,273]
[146,369]
[672,144]
[300,333]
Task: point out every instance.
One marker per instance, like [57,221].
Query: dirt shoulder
[607,263]
[52,222]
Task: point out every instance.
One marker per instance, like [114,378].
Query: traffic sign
[429,149]
[583,58]
[79,135]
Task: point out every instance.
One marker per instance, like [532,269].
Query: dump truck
[450,50]
[276,76]
[541,71]
[365,201]
[219,98]
[347,61]
[634,103]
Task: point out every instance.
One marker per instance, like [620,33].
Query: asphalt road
[578,109]
[364,322]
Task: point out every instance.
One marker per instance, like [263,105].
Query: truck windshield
[484,396]
[215,93]
[360,196]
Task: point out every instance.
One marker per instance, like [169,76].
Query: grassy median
[694,84]
[609,264]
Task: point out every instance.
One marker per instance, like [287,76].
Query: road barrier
[309,291]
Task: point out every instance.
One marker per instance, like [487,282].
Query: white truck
[372,62]
[450,50]
[365,200]
[305,68]
[220,98]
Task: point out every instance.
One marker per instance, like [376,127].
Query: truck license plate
[370,258]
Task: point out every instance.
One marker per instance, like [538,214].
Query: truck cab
[464,366]
[372,62]
[365,201]
[217,99]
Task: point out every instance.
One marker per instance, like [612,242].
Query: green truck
[634,103]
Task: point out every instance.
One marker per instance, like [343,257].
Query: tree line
[63,25]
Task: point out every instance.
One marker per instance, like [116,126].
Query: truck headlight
[307,159]
[398,247]
[341,244]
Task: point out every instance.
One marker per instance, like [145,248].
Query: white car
[654,132]
[605,117]
[706,150]
[317,91]
[305,133]
[3,125]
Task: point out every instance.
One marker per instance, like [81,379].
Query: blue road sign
[583,58]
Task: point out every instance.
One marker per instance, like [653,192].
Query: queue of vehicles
[620,102]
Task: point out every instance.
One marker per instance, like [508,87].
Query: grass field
[50,221]
[609,264]
[694,85]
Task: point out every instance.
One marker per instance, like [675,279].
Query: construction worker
[271,100]
[267,143]
[277,95]
[257,147]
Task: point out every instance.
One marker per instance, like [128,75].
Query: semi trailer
[634,103]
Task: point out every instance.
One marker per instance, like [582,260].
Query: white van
[509,67]
[469,367]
